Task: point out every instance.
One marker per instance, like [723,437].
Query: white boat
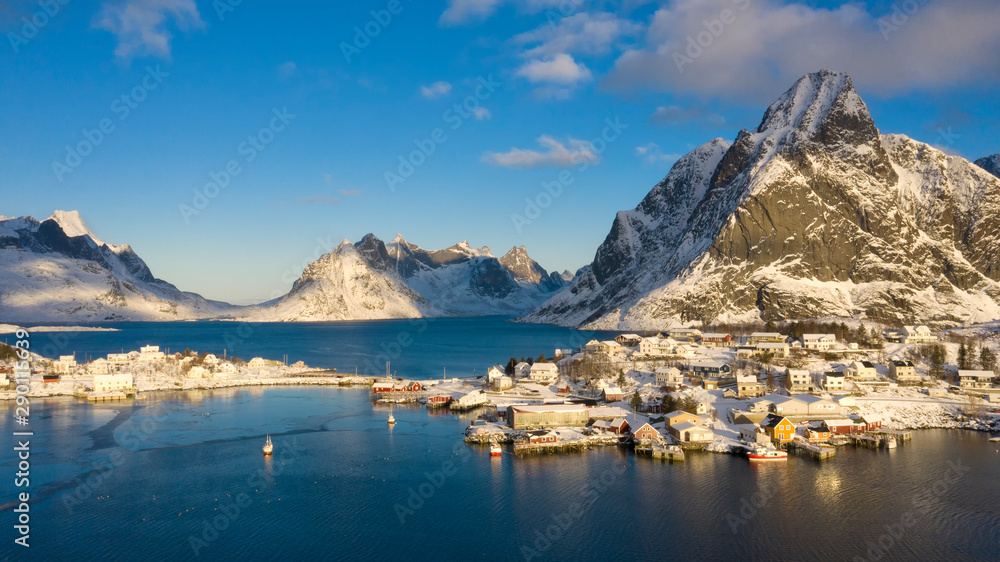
[495,450]
[890,442]
[268,447]
[762,454]
[391,420]
[995,439]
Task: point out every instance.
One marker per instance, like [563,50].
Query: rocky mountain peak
[522,267]
[991,164]
[374,252]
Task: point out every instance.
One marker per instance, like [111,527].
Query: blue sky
[536,82]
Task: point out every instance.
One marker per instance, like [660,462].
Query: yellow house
[778,428]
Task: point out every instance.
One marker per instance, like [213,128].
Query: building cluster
[777,419]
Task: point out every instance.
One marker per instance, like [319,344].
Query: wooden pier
[659,452]
[815,450]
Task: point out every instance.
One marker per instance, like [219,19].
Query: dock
[108,396]
[660,452]
[815,450]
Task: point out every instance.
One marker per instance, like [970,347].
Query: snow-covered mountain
[374,280]
[814,213]
[57,270]
[991,164]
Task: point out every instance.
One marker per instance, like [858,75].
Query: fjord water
[416,348]
[147,480]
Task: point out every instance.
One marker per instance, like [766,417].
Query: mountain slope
[814,213]
[57,270]
[374,280]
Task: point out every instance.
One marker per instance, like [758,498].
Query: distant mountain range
[814,213]
[57,270]
[371,279]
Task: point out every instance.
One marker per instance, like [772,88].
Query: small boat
[495,450]
[890,443]
[762,454]
[391,420]
[994,439]
[268,447]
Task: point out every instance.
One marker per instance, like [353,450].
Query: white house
[495,372]
[229,369]
[819,342]
[211,359]
[669,376]
[801,380]
[118,357]
[65,365]
[765,337]
[690,432]
[501,383]
[778,349]
[99,367]
[198,372]
[657,346]
[975,379]
[748,387]
[522,370]
[833,380]
[685,334]
[150,353]
[903,371]
[544,371]
[918,334]
[861,371]
[109,383]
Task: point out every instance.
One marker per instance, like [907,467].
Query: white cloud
[674,115]
[472,11]
[482,113]
[435,90]
[584,32]
[141,25]
[652,154]
[559,69]
[559,154]
[770,44]
[287,70]
[465,11]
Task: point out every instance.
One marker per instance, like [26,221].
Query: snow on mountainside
[373,280]
[991,164]
[815,213]
[57,270]
[344,285]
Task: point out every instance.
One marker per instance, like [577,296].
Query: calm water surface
[146,481]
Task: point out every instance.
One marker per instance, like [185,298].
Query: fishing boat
[391,420]
[495,450]
[995,439]
[890,442]
[268,447]
[762,454]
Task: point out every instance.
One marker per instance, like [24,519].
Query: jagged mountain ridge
[372,280]
[814,213]
[58,270]
[991,164]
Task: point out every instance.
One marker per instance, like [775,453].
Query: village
[662,395]
[688,390]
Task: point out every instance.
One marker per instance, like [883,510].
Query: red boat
[495,450]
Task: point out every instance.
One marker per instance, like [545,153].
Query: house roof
[765,335]
[715,335]
[977,374]
[548,408]
[811,399]
[903,363]
[684,426]
[772,420]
